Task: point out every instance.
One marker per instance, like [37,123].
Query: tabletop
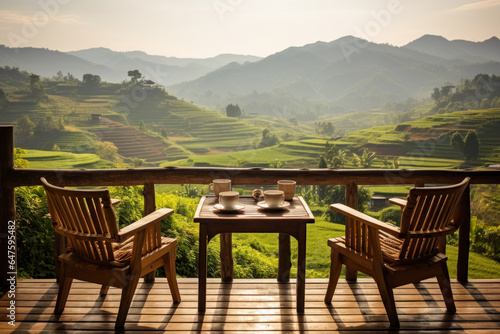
[297,210]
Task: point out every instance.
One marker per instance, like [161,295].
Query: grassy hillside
[153,126]
[158,127]
[422,143]
[64,160]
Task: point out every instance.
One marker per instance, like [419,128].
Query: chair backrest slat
[428,210]
[87,212]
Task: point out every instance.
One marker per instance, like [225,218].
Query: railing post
[463,217]
[7,207]
[351,199]
[149,207]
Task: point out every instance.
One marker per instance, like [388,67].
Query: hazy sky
[205,28]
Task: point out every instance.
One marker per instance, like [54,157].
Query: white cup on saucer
[274,198]
[229,199]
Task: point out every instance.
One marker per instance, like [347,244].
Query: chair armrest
[370,221]
[115,201]
[398,201]
[143,223]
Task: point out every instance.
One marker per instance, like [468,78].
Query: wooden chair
[397,256]
[98,252]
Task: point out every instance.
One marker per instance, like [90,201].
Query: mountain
[47,63]
[488,50]
[350,72]
[113,66]
[164,70]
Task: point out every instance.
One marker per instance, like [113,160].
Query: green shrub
[35,236]
[391,215]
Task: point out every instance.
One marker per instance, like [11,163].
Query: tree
[36,86]
[471,146]
[59,76]
[142,126]
[325,129]
[107,150]
[365,160]
[268,138]
[49,124]
[436,94]
[24,127]
[233,110]
[457,142]
[334,156]
[134,75]
[446,90]
[91,82]
[18,161]
[34,80]
[322,163]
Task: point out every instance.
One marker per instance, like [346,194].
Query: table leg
[226,257]
[301,268]
[202,269]
[284,263]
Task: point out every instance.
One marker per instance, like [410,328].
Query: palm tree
[366,159]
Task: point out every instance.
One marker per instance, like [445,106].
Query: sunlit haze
[205,28]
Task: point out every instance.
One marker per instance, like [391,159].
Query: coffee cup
[274,198]
[220,185]
[229,199]
[288,187]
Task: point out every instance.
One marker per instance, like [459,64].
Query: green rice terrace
[153,128]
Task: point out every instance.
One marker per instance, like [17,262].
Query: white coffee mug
[288,187]
[219,185]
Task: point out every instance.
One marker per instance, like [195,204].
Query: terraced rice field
[130,142]
[63,160]
[208,130]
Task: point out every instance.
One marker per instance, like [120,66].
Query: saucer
[237,207]
[264,205]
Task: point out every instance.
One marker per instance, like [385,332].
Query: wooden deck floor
[257,305]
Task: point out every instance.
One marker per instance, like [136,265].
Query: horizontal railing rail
[246,176]
[11,177]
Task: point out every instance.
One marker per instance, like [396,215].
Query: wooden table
[253,219]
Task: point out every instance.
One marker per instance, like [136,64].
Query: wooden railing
[11,177]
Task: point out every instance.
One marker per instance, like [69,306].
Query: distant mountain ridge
[112,66]
[488,50]
[164,70]
[350,72]
[47,62]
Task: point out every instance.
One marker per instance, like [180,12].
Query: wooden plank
[250,306]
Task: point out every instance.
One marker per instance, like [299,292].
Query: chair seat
[390,246]
[122,253]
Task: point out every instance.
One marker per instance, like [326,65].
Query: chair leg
[445,286]
[387,296]
[64,287]
[104,290]
[335,269]
[150,277]
[127,296]
[171,276]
